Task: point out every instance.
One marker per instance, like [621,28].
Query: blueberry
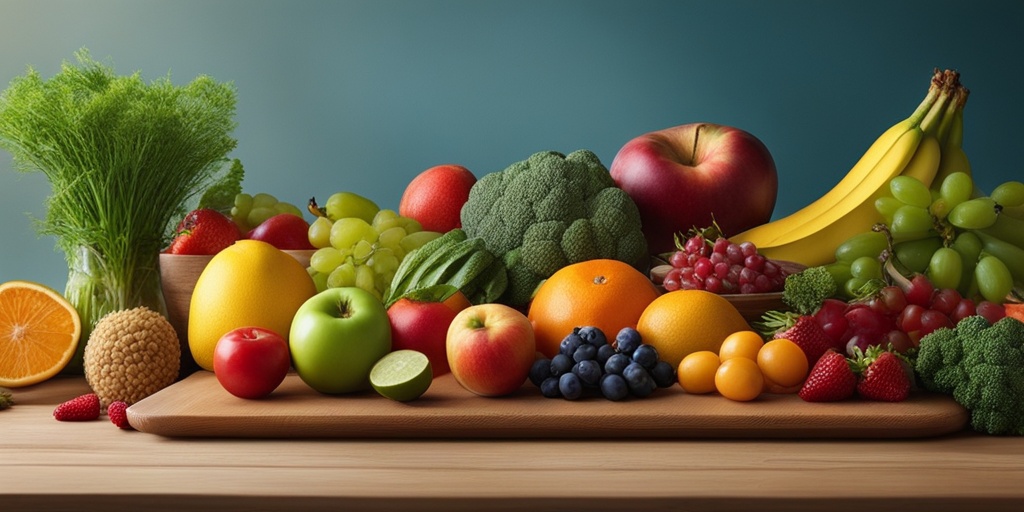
[540,370]
[616,364]
[639,380]
[549,388]
[664,374]
[570,343]
[646,355]
[570,386]
[592,335]
[614,387]
[627,340]
[585,352]
[589,373]
[560,364]
[604,352]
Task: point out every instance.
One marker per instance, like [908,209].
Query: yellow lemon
[249,284]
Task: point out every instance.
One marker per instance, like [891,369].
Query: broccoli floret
[982,366]
[804,291]
[549,211]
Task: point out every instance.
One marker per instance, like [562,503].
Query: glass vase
[98,285]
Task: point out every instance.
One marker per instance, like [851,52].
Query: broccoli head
[982,366]
[549,211]
[805,291]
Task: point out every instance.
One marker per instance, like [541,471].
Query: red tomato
[251,362]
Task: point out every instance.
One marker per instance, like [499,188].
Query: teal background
[363,95]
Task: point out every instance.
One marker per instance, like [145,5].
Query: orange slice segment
[39,332]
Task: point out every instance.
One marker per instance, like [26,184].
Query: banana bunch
[924,146]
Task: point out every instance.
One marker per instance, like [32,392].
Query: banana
[1011,255]
[953,156]
[1007,229]
[766,233]
[916,153]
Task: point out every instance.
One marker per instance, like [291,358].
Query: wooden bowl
[178,276]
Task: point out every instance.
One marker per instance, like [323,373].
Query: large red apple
[422,326]
[682,177]
[491,348]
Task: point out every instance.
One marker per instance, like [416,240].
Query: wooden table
[51,465]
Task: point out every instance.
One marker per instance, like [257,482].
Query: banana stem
[932,119]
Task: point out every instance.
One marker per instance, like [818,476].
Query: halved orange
[39,332]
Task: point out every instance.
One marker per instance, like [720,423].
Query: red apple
[422,326]
[251,362]
[685,176]
[286,231]
[490,349]
[435,197]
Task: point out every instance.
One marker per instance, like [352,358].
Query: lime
[402,375]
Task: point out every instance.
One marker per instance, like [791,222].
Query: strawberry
[884,376]
[204,232]
[116,411]
[82,408]
[830,380]
[804,330]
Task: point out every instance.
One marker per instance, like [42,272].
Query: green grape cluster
[957,237]
[250,210]
[354,251]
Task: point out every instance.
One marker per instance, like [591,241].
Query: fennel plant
[123,157]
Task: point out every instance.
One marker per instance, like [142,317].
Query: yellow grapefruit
[249,284]
[681,322]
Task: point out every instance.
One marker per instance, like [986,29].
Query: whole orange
[435,197]
[604,293]
[685,321]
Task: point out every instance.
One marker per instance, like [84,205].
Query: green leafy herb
[6,400]
[122,157]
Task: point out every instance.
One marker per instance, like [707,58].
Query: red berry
[884,379]
[82,408]
[117,412]
[678,259]
[830,380]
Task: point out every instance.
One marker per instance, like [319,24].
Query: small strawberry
[117,412]
[804,330]
[204,232]
[82,408]
[884,376]
[830,380]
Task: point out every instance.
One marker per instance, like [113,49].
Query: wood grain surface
[199,406]
[50,465]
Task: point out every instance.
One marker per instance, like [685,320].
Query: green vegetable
[804,291]
[123,158]
[982,366]
[6,400]
[221,195]
[452,262]
[549,211]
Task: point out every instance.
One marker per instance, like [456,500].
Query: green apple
[336,337]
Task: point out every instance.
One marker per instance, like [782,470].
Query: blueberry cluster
[586,361]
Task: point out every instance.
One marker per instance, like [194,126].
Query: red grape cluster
[900,315]
[722,267]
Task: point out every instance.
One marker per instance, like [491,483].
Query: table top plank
[51,464]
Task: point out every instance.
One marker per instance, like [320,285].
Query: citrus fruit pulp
[39,332]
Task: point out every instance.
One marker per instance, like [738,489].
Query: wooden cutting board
[198,406]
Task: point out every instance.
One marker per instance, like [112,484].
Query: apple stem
[696,136]
[476,323]
[344,308]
